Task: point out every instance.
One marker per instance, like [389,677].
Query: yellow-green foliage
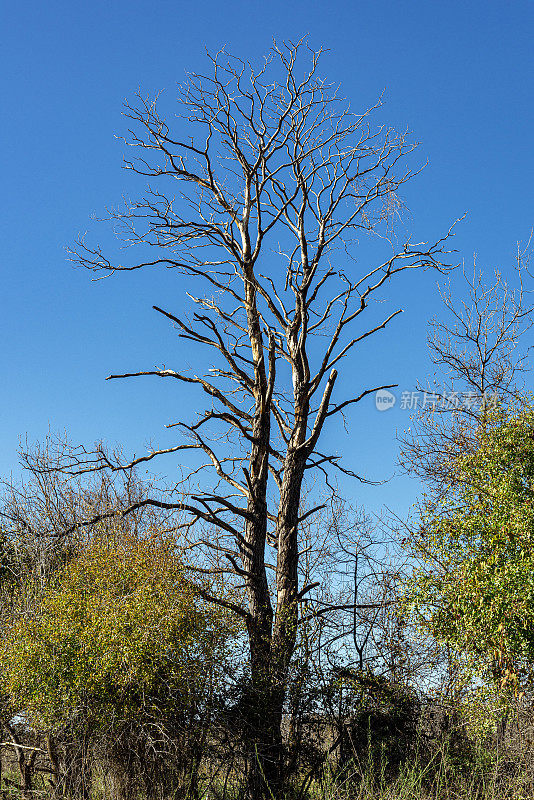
[474,586]
[121,628]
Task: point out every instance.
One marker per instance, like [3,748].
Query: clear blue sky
[459,74]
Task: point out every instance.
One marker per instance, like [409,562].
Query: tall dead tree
[260,192]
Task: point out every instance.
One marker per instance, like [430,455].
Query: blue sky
[458,74]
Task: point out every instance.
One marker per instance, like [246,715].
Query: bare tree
[44,516]
[276,179]
[478,349]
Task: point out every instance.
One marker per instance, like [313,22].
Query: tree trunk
[266,752]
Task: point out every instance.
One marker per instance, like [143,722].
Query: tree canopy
[120,628]
[473,586]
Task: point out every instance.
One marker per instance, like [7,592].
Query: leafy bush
[121,629]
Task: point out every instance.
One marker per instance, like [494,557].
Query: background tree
[473,585]
[477,346]
[121,647]
[79,612]
[276,181]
